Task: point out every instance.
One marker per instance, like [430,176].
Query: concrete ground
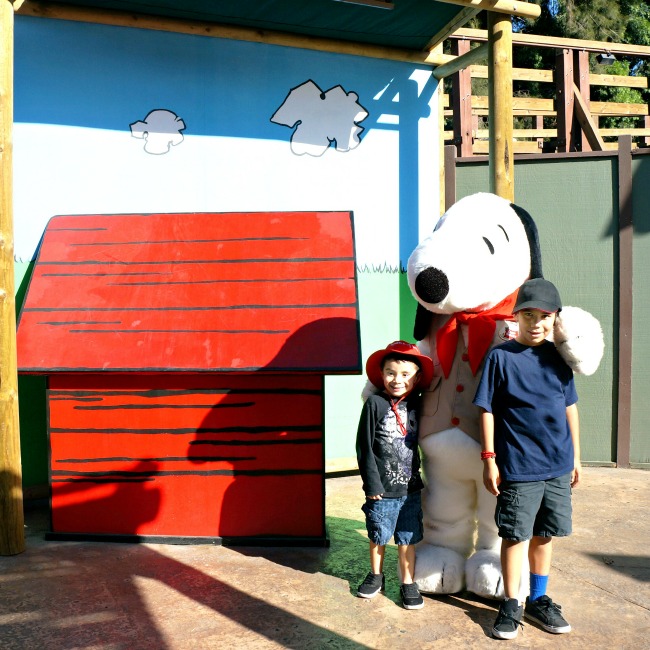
[84,595]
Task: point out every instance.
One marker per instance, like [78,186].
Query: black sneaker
[547,614]
[372,585]
[508,619]
[411,598]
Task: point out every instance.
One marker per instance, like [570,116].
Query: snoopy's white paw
[483,574]
[438,570]
[579,339]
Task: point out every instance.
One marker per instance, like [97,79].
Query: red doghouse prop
[185,356]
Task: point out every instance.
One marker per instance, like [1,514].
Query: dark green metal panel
[410,25]
[575,205]
[640,410]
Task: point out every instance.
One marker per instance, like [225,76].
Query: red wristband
[487,454]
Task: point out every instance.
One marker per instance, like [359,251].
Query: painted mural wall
[124,120]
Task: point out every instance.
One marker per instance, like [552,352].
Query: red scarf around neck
[481,326]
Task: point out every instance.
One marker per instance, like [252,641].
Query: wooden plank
[625,301]
[546,76]
[501,164]
[564,94]
[461,84]
[614,109]
[518,74]
[482,147]
[555,42]
[483,134]
[461,62]
[216,30]
[12,530]
[509,7]
[581,79]
[618,80]
[589,126]
[455,23]
[640,132]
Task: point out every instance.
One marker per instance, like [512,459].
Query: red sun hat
[405,349]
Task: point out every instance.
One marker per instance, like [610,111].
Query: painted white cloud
[321,118]
[160,130]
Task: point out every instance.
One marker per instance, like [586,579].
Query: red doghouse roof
[204,292]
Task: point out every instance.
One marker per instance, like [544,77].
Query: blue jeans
[400,517]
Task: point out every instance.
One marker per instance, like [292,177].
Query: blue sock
[538,586]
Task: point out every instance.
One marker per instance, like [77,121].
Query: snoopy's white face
[478,255]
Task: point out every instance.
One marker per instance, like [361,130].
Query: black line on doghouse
[126,407]
[161,459]
[185,431]
[176,262]
[149,242]
[178,331]
[345,305]
[198,472]
[221,281]
[163,392]
[245,443]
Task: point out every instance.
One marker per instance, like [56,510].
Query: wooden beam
[518,74]
[461,85]
[12,525]
[625,301]
[501,164]
[216,30]
[589,127]
[581,79]
[455,23]
[479,53]
[508,7]
[556,42]
[617,80]
[564,100]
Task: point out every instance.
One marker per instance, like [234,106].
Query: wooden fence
[567,122]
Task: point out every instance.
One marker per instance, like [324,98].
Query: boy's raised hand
[491,476]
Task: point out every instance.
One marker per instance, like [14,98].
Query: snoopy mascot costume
[465,277]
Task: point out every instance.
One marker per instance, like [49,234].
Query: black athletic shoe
[547,614]
[372,585]
[411,598]
[508,619]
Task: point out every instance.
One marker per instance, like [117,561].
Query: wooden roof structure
[198,292]
[375,28]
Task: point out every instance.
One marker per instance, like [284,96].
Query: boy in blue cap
[531,453]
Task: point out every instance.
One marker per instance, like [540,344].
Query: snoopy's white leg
[483,569]
[448,505]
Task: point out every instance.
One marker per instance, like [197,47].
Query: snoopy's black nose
[431,285]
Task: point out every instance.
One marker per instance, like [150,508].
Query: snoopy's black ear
[533,241]
[422,323]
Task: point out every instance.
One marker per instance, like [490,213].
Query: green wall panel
[640,412]
[574,204]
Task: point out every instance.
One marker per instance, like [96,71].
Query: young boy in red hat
[389,463]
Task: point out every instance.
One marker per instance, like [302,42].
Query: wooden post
[625,301]
[461,94]
[12,526]
[581,79]
[500,105]
[564,100]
